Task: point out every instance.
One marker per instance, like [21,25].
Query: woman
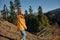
[21,24]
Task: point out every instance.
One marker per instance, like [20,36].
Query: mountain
[55,11]
[54,16]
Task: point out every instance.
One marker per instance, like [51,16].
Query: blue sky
[47,5]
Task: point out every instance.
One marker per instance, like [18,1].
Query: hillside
[9,31]
[54,16]
[55,12]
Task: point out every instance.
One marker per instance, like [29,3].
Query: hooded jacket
[21,24]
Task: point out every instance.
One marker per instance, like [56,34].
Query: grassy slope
[9,31]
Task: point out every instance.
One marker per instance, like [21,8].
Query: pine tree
[32,23]
[17,4]
[39,10]
[43,21]
[26,13]
[5,12]
[30,10]
[12,17]
[45,28]
[12,7]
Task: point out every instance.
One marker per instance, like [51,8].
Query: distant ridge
[55,11]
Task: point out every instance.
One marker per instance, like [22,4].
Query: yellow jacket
[21,23]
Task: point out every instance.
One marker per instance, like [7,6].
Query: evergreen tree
[30,10]
[32,23]
[12,7]
[12,17]
[5,12]
[26,13]
[44,25]
[43,20]
[17,4]
[39,10]
[55,19]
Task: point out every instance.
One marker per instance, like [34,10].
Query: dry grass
[10,30]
